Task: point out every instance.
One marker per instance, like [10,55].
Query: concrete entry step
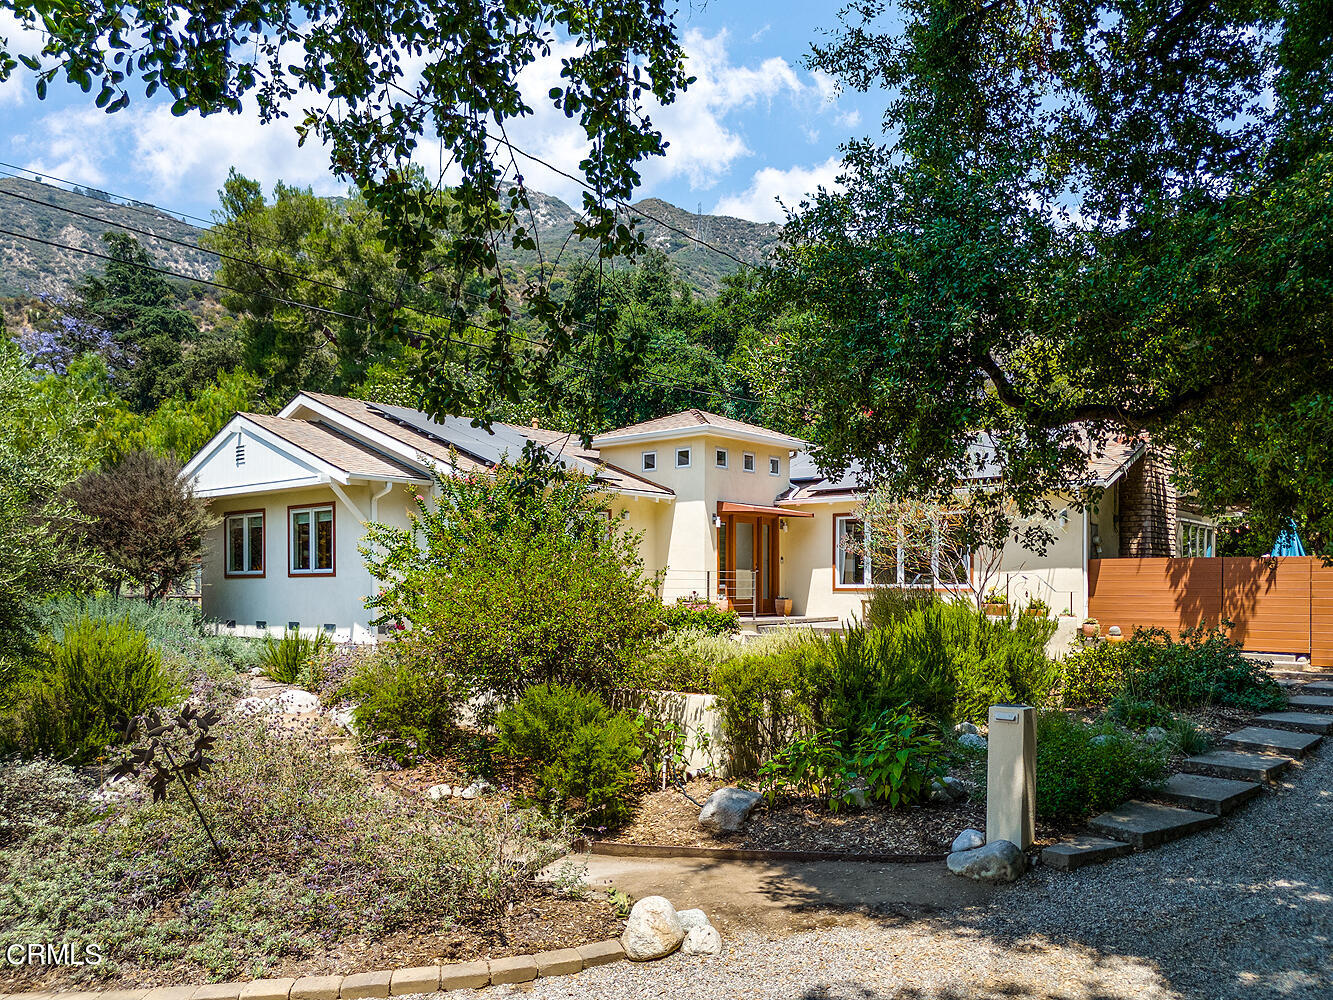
[1082,849]
[1236,764]
[1204,793]
[1272,741]
[1147,824]
[1300,722]
[1318,687]
[1311,701]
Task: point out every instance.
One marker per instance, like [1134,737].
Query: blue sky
[757,126]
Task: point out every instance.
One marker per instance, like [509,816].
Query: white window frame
[244,517]
[648,461]
[1195,535]
[774,465]
[748,463]
[721,457]
[689,457]
[315,570]
[899,576]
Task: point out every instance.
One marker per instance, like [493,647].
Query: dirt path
[1243,911]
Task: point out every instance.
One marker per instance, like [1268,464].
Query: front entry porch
[749,555]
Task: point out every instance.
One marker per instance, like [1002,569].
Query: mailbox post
[1011,775]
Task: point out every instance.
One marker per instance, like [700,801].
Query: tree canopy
[378,82]
[1081,221]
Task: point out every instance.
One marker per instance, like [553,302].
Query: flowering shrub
[701,616]
[315,855]
[35,794]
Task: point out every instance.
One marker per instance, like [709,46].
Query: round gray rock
[652,931]
[727,809]
[1154,735]
[972,741]
[968,840]
[967,727]
[690,919]
[1000,861]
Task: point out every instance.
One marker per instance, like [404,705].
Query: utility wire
[324,310]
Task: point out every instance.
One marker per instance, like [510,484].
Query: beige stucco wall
[315,600]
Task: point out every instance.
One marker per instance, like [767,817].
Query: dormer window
[682,458]
[649,461]
[720,458]
[747,461]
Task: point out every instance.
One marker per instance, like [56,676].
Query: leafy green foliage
[406,706]
[462,96]
[701,617]
[1051,186]
[36,794]
[514,578]
[85,689]
[294,659]
[1083,769]
[764,702]
[316,853]
[577,747]
[1201,667]
[1134,714]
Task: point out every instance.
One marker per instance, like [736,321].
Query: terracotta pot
[783,605]
[1089,630]
[1036,612]
[996,609]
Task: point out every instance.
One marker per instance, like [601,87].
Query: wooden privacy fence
[1281,605]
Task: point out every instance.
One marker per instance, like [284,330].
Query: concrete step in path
[1312,702]
[1260,767]
[1317,687]
[1204,793]
[1274,741]
[1300,722]
[1083,849]
[1147,824]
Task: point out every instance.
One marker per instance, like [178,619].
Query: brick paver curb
[374,985]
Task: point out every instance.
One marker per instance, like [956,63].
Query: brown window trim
[263,556]
[333,541]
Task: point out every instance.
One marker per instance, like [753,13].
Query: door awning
[729,507]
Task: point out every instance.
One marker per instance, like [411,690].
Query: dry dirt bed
[1243,911]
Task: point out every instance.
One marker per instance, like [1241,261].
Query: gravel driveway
[1244,910]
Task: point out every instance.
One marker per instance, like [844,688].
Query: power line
[324,310]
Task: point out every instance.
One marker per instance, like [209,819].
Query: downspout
[375,500]
[1087,610]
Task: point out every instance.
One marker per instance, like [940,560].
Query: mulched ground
[669,819]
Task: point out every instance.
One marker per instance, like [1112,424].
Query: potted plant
[1037,608]
[783,605]
[995,603]
[1090,628]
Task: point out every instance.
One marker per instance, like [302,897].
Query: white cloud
[21,41]
[772,188]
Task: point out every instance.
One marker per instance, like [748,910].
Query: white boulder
[727,809]
[652,931]
[703,940]
[298,702]
[477,788]
[690,919]
[972,741]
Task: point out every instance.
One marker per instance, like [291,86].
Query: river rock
[968,840]
[298,702]
[998,861]
[972,741]
[652,931]
[1154,735]
[690,919]
[727,809]
[476,789]
[703,940]
[966,727]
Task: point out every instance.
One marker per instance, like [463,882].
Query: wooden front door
[747,557]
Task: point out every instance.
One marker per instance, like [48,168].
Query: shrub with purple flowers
[317,853]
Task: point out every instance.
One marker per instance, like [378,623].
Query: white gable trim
[355,428]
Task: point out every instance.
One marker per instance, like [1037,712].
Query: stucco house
[726,509]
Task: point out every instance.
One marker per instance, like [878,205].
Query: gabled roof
[334,447]
[470,448]
[695,421]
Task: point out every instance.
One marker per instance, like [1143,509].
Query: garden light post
[1011,775]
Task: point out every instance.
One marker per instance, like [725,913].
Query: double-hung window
[907,561]
[244,532]
[310,540]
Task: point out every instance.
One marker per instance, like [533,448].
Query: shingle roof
[688,420]
[456,438]
[334,447]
